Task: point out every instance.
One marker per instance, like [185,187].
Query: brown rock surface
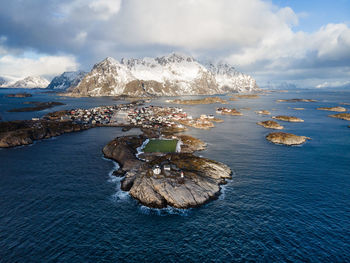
[337,109]
[287,118]
[343,116]
[270,125]
[286,138]
[207,100]
[296,100]
[263,112]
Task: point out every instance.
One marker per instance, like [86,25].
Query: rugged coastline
[184,181]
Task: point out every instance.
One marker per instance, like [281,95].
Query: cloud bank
[256,36]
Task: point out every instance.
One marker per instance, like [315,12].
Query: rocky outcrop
[19,95]
[247,96]
[286,138]
[207,100]
[270,125]
[263,112]
[226,111]
[296,100]
[287,118]
[199,183]
[343,116]
[38,106]
[17,133]
[336,109]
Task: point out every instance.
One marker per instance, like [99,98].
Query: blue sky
[318,13]
[301,42]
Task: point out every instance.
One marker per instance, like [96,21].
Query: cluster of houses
[97,115]
[155,117]
[132,114]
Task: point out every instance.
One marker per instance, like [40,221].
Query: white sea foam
[164,211]
[119,195]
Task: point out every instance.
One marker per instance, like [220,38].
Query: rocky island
[343,116]
[247,96]
[19,95]
[270,125]
[296,100]
[336,109]
[263,112]
[38,106]
[226,111]
[207,100]
[287,118]
[179,179]
[286,138]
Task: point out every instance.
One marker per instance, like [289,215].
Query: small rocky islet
[296,100]
[263,112]
[336,109]
[19,95]
[206,100]
[286,138]
[287,118]
[342,116]
[270,125]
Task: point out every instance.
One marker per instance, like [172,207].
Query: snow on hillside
[66,80]
[169,75]
[32,82]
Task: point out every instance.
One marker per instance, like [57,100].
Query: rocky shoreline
[38,106]
[18,133]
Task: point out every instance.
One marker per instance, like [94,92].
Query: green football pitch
[164,146]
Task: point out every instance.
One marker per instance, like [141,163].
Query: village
[135,115]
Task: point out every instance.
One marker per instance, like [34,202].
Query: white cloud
[12,67]
[105,8]
[199,24]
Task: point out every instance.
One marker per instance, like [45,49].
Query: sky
[276,41]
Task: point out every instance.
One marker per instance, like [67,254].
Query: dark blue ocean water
[59,203]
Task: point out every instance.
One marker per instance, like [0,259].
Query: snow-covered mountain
[66,80]
[33,82]
[2,81]
[170,75]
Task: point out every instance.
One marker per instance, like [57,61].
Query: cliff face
[171,75]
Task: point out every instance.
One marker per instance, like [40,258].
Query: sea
[59,201]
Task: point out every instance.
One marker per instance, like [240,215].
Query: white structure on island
[156,170]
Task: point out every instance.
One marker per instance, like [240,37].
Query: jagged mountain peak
[174,58]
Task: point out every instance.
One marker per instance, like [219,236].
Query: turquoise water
[59,202]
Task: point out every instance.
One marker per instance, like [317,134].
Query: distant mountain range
[32,82]
[171,75]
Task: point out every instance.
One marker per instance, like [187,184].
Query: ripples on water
[59,201]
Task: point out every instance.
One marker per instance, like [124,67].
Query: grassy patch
[164,146]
